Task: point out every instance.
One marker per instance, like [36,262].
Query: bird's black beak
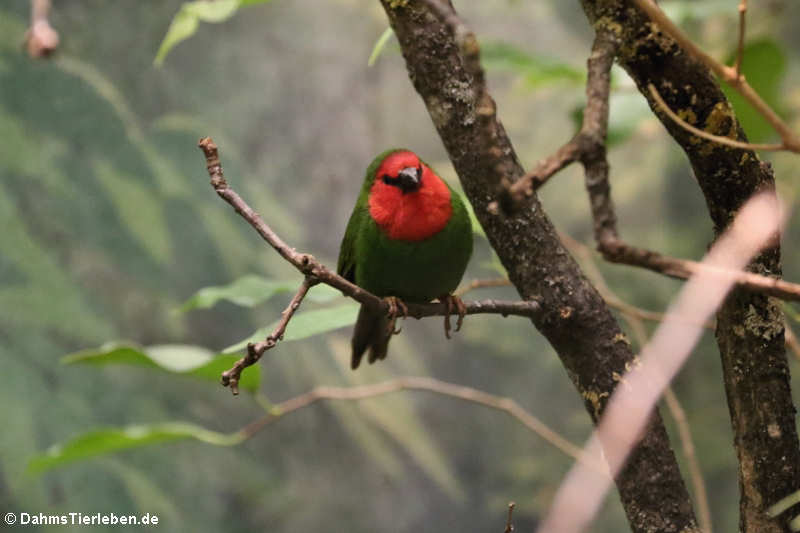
[409,179]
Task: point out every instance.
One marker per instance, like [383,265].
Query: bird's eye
[387,179]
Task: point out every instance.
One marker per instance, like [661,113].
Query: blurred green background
[109,226]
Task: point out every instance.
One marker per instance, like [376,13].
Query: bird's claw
[396,307]
[450,301]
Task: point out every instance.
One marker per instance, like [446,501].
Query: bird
[409,239]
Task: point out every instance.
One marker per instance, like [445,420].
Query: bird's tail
[371,332]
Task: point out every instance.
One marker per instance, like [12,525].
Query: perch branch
[731,75]
[315,272]
[361,392]
[41,39]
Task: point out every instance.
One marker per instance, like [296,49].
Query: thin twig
[318,273]
[547,168]
[737,66]
[695,474]
[593,130]
[469,394]
[734,78]
[727,141]
[230,378]
[509,520]
[41,39]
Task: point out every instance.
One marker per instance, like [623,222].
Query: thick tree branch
[750,326]
[731,75]
[574,317]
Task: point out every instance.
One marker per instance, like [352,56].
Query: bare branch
[737,66]
[41,39]
[593,157]
[547,168]
[731,75]
[230,378]
[695,474]
[617,251]
[315,272]
[509,524]
[469,394]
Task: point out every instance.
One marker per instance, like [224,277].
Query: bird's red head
[408,200]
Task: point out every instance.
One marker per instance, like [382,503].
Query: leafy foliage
[536,71]
[187,20]
[108,440]
[764,65]
[306,324]
[251,290]
[191,361]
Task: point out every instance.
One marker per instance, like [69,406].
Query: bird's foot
[453,302]
[396,307]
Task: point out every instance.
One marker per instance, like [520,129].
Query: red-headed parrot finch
[409,238]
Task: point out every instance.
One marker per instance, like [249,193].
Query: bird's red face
[408,200]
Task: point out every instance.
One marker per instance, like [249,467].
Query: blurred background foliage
[109,228]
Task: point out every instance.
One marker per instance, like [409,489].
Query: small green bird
[409,238]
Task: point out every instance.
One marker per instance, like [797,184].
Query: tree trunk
[750,327]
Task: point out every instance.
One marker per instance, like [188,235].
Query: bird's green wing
[346,266]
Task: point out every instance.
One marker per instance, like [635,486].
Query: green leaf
[306,324]
[251,290]
[186,21]
[110,440]
[764,66]
[380,44]
[186,360]
[536,71]
[681,11]
[182,27]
